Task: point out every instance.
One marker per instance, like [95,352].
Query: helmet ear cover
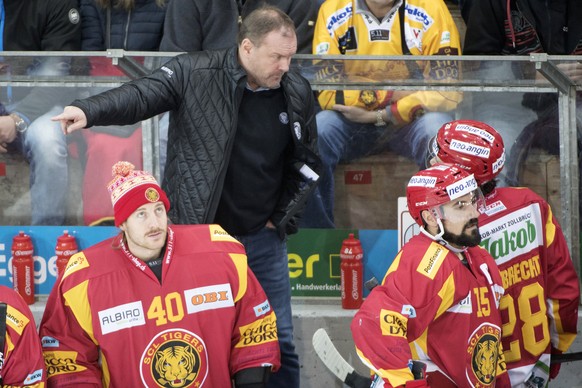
[473,145]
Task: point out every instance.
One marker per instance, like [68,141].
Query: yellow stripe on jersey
[219,234]
[396,377]
[16,320]
[77,299]
[550,228]
[419,347]
[432,260]
[240,262]
[106,378]
[565,340]
[394,266]
[77,262]
[446,293]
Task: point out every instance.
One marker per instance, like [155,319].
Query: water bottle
[23,266]
[352,272]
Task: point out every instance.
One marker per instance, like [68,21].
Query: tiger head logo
[176,366]
[175,358]
[486,360]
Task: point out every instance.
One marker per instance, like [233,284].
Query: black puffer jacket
[140,29]
[203,91]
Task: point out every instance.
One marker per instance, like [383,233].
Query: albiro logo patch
[121,317]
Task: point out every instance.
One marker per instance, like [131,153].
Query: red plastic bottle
[66,247]
[352,272]
[23,266]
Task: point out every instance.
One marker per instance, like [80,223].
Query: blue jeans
[341,140]
[267,258]
[45,147]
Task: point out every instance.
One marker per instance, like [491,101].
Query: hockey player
[158,306]
[438,302]
[21,361]
[518,228]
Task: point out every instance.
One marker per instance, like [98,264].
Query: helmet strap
[439,237]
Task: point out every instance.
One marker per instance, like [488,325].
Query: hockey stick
[566,357]
[334,361]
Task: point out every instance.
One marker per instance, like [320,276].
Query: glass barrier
[530,100]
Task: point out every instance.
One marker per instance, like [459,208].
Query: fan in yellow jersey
[359,122]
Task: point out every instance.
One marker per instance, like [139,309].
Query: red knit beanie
[132,188]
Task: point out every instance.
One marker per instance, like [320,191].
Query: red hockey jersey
[433,308]
[540,305]
[23,364]
[109,321]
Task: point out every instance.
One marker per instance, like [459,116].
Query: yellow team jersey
[346,27]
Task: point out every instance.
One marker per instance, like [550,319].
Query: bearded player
[438,303]
[540,305]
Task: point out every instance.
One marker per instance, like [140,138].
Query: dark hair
[488,187]
[263,20]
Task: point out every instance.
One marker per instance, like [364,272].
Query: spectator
[538,275]
[194,25]
[302,12]
[440,280]
[522,27]
[39,25]
[184,312]
[241,147]
[21,354]
[355,123]
[134,25]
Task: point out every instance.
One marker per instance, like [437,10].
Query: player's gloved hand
[555,368]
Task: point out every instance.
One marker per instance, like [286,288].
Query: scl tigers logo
[485,360]
[485,357]
[175,359]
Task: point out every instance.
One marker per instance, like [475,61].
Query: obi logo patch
[121,317]
[58,363]
[175,358]
[258,332]
[393,324]
[208,298]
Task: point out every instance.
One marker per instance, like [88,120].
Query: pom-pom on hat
[131,189]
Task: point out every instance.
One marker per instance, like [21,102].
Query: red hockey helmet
[438,185]
[473,145]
